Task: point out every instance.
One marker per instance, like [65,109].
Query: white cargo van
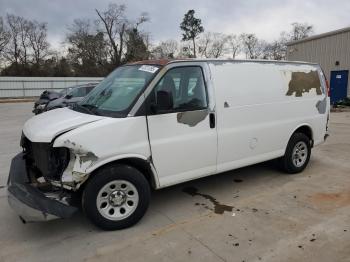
[153,124]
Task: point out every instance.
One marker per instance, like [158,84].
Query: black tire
[286,162]
[106,175]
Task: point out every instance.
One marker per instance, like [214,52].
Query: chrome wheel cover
[117,200]
[300,153]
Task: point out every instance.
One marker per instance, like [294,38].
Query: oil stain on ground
[330,201]
[218,207]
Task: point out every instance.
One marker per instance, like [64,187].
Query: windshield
[117,92]
[63,91]
[66,91]
[76,92]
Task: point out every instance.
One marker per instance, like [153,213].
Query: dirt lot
[266,215]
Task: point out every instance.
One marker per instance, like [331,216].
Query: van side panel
[260,105]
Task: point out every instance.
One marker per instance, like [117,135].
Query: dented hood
[44,127]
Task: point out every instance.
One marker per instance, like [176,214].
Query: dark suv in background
[49,100]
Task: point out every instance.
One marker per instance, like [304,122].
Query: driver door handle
[212,120]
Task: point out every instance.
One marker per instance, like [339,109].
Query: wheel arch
[305,129]
[144,165]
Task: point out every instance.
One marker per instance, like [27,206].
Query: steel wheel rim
[117,200]
[300,153]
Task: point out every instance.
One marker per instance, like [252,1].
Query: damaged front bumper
[28,201]
[39,108]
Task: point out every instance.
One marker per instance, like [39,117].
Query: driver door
[183,139]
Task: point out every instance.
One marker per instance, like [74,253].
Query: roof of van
[163,62]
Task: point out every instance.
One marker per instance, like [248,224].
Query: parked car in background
[44,99]
[49,100]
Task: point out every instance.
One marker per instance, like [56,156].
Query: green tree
[87,49]
[136,48]
[136,41]
[62,68]
[191,27]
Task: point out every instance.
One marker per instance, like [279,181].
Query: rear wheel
[297,154]
[116,197]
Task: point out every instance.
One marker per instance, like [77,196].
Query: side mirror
[69,96]
[164,102]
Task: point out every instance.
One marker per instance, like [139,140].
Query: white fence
[34,86]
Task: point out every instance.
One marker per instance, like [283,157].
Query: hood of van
[44,127]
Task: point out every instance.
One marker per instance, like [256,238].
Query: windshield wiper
[90,109]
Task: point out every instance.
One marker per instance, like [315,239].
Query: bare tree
[203,44]
[166,49]
[25,27]
[115,26]
[277,49]
[252,46]
[13,50]
[217,48]
[147,39]
[27,46]
[184,50]
[4,35]
[234,45]
[274,51]
[17,51]
[300,31]
[212,45]
[38,41]
[144,17]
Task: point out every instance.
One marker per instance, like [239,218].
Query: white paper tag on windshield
[148,68]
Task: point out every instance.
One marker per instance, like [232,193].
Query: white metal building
[332,51]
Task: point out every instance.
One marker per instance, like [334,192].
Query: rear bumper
[28,201]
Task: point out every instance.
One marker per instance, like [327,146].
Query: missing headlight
[45,160]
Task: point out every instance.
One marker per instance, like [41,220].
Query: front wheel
[297,154]
[116,197]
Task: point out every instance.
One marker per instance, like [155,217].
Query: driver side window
[186,86]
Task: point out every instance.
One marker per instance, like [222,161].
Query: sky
[265,18]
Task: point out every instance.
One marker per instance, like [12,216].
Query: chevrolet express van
[153,124]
